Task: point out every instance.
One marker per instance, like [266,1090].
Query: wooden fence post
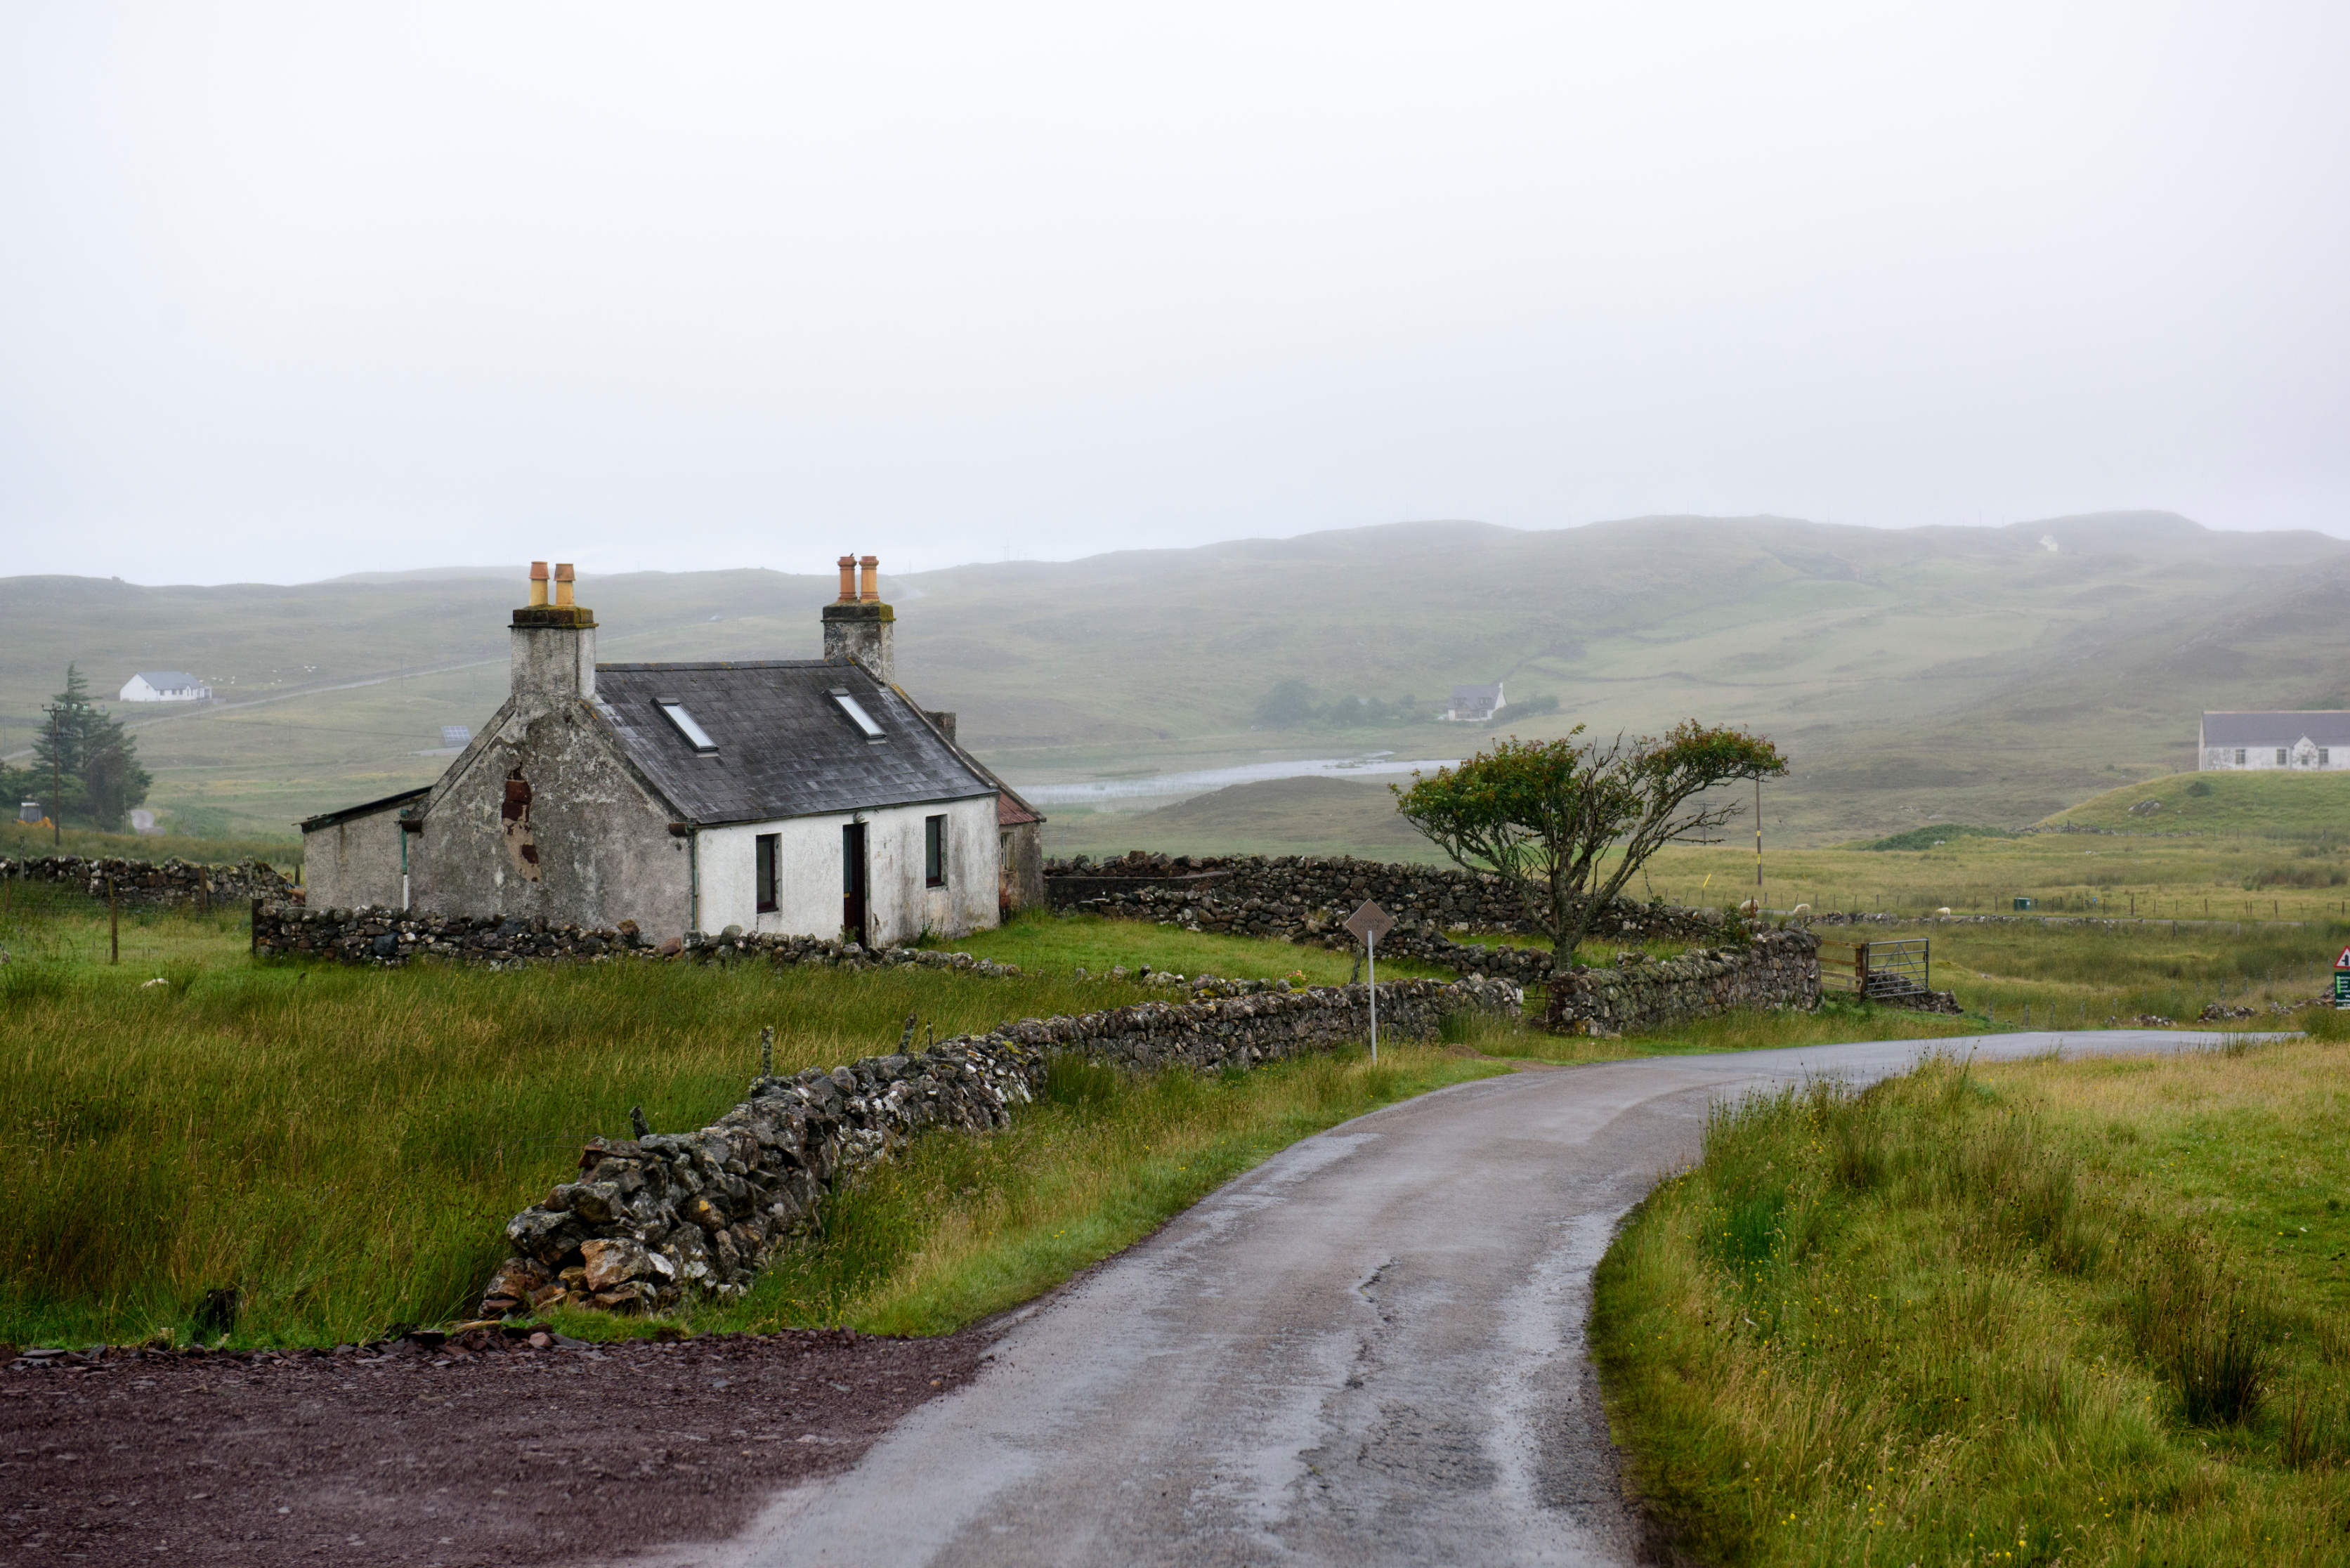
[113,926]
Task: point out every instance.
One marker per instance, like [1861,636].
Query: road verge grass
[2085,1311]
[963,1225]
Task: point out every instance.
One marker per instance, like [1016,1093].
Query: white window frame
[766,873]
[858,715]
[686,725]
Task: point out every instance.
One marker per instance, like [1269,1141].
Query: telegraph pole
[1758,836]
[56,794]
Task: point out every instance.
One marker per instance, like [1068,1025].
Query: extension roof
[2325,726]
[351,813]
[785,746]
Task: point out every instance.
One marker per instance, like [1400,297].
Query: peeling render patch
[514,815]
[653,1219]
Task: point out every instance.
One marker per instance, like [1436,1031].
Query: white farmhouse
[808,796]
[2311,741]
[165,686]
[1474,704]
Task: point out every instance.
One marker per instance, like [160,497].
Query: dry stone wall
[148,882]
[1306,899]
[652,1220]
[391,937]
[1778,969]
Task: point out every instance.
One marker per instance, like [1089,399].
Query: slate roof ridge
[719,664]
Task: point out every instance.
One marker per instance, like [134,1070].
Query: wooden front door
[852,880]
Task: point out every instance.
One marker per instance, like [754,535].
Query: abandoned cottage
[808,796]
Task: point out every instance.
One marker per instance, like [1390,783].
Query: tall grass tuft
[2190,1317]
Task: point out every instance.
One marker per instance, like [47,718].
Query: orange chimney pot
[871,592]
[537,585]
[847,580]
[563,580]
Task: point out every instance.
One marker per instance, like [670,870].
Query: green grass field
[344,1145]
[2083,1311]
[2277,805]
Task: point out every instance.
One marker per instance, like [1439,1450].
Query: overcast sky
[291,291]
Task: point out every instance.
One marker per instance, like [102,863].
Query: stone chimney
[858,625]
[554,644]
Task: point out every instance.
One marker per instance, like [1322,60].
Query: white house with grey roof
[165,686]
[1474,704]
[2306,741]
[809,796]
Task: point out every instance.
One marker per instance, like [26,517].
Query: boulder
[610,1262]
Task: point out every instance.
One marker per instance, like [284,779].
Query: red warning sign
[2343,961]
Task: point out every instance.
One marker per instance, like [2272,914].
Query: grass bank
[2285,805]
[963,1225]
[2248,878]
[2086,1311]
[345,1146]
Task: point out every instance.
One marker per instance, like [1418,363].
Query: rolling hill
[1988,675]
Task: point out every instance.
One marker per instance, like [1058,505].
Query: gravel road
[1367,1351]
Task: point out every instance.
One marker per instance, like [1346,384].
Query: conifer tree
[85,753]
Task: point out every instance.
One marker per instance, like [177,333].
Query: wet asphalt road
[1367,1351]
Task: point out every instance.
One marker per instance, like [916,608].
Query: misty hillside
[1975,674]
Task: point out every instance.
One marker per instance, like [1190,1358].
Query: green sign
[2341,988]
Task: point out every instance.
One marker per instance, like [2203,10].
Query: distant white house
[1474,704]
[2313,741]
[165,686]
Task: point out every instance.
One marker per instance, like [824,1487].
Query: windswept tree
[1546,814]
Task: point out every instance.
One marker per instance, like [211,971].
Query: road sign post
[1369,923]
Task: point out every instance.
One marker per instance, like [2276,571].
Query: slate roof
[167,680]
[785,747]
[2325,726]
[1478,697]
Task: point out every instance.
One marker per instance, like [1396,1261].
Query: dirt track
[408,1454]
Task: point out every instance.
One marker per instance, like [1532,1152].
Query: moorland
[1980,675]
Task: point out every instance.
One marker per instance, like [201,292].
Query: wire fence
[49,922]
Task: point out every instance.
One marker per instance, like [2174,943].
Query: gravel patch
[485,1448]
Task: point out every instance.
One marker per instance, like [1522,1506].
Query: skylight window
[858,715]
[695,735]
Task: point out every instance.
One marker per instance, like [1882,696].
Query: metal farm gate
[1877,969]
